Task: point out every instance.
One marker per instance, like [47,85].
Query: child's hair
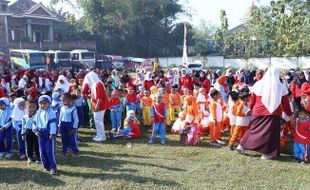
[234,95]
[197,84]
[175,86]
[74,97]
[302,110]
[31,101]
[214,93]
[67,96]
[244,93]
[282,121]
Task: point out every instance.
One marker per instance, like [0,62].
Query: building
[25,24]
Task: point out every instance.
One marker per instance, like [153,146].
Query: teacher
[99,102]
[268,99]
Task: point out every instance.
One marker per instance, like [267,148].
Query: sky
[209,10]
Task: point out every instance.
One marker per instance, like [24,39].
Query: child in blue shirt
[68,123]
[79,106]
[28,135]
[17,118]
[6,129]
[56,104]
[44,127]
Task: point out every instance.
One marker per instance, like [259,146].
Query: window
[4,7]
[75,56]
[63,55]
[88,55]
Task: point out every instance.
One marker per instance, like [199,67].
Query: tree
[221,35]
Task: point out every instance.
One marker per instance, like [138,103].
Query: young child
[175,102]
[166,102]
[68,124]
[6,129]
[233,100]
[116,111]
[203,111]
[302,136]
[283,135]
[56,104]
[146,104]
[158,114]
[44,127]
[215,118]
[17,118]
[131,129]
[27,134]
[130,100]
[243,119]
[79,107]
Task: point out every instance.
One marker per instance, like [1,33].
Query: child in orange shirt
[243,119]
[215,118]
[175,102]
[146,104]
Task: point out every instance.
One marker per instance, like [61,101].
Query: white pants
[99,124]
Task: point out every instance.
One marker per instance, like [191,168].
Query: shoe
[38,162]
[9,155]
[100,140]
[220,142]
[53,172]
[231,147]
[265,157]
[46,171]
[151,142]
[240,149]
[113,130]
[163,142]
[96,137]
[22,157]
[215,143]
[2,155]
[29,161]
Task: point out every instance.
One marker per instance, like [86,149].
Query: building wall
[19,27]
[2,30]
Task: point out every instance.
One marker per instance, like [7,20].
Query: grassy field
[112,165]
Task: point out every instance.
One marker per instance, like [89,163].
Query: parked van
[27,59]
[84,57]
[61,58]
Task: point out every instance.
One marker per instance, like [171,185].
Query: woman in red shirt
[296,88]
[269,98]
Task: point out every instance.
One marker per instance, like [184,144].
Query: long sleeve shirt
[5,118]
[45,120]
[69,114]
[27,123]
[159,112]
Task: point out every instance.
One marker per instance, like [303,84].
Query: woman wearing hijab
[185,81]
[204,81]
[99,102]
[115,80]
[305,97]
[230,79]
[268,100]
[148,81]
[62,83]
[296,88]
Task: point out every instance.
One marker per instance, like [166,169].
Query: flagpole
[184,57]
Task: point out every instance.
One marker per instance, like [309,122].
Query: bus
[27,59]
[84,57]
[61,58]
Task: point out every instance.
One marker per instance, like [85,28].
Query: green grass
[112,165]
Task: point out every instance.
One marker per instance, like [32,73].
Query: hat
[55,96]
[4,101]
[44,98]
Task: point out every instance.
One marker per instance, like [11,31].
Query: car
[197,66]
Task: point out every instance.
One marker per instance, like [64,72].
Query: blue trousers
[6,140]
[47,150]
[79,110]
[116,118]
[159,129]
[69,141]
[301,151]
[21,143]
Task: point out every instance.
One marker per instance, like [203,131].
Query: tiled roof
[21,6]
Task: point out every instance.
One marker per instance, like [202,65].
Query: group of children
[190,113]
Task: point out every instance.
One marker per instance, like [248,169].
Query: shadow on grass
[106,163]
[14,175]
[123,176]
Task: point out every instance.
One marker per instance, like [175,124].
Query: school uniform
[31,138]
[44,122]
[146,104]
[216,114]
[7,134]
[158,112]
[68,122]
[175,105]
[79,108]
[116,112]
[302,139]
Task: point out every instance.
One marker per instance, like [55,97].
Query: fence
[259,63]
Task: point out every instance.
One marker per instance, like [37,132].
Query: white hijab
[91,79]
[65,86]
[270,89]
[17,113]
[115,77]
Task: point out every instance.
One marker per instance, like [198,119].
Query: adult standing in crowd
[268,100]
[99,102]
